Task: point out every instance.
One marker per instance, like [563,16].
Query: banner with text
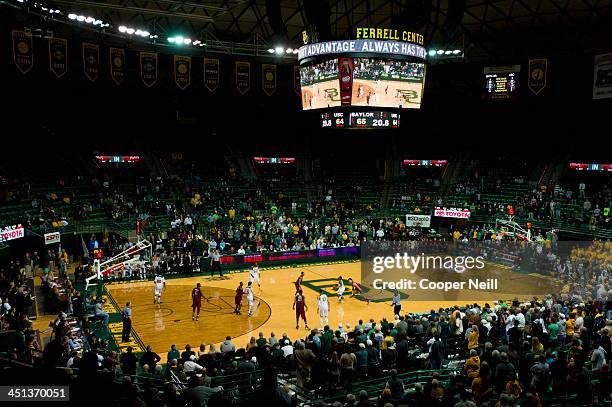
[420,221]
[58,56]
[23,52]
[117,65]
[182,71]
[11,233]
[91,61]
[452,213]
[537,75]
[148,68]
[211,74]
[268,78]
[243,76]
[53,237]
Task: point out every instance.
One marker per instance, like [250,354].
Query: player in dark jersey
[355,287]
[300,307]
[238,298]
[196,302]
[298,282]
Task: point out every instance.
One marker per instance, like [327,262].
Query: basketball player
[299,305]
[250,298]
[254,275]
[323,306]
[238,299]
[298,282]
[355,287]
[196,302]
[340,289]
[160,284]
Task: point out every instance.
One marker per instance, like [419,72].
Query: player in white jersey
[340,289]
[160,284]
[254,275]
[323,306]
[250,298]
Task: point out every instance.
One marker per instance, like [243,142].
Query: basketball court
[171,323]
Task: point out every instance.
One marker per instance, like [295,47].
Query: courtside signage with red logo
[452,213]
[53,237]
[11,233]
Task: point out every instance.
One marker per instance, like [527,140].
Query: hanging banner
[23,53]
[182,71]
[148,68]
[602,84]
[296,80]
[91,61]
[452,213]
[421,221]
[117,64]
[268,78]
[58,56]
[243,76]
[53,237]
[537,75]
[11,233]
[211,74]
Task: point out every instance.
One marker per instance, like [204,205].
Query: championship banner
[296,80]
[11,233]
[182,71]
[117,65]
[211,74]
[422,221]
[452,213]
[537,75]
[602,85]
[243,76]
[91,61]
[148,68]
[58,56]
[23,53]
[268,78]
[53,237]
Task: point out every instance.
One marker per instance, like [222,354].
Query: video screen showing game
[320,86]
[384,83]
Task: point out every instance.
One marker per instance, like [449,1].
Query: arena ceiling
[485,29]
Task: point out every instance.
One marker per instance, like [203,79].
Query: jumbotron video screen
[373,83]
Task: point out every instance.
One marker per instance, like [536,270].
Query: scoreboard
[360,120]
[501,82]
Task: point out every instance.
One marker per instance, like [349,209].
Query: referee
[215,263]
[397,306]
[126,315]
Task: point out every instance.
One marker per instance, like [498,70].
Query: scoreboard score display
[501,82]
[360,120]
